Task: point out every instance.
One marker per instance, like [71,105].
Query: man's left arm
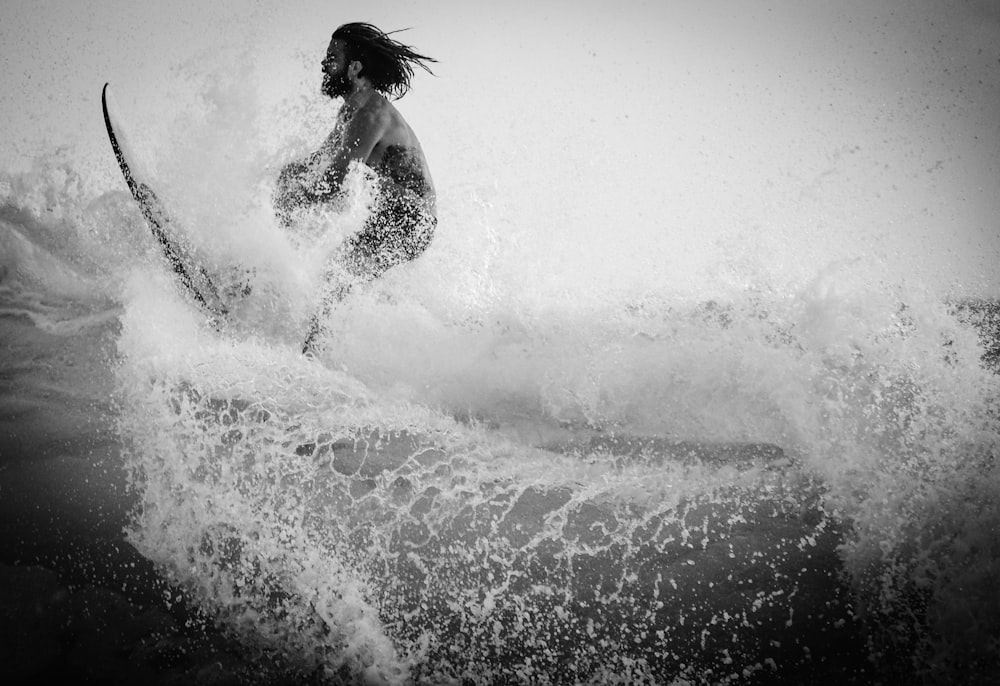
[360,137]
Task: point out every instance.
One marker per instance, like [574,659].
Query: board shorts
[399,229]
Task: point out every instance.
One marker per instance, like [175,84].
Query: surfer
[365,67]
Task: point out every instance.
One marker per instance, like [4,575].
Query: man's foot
[309,347]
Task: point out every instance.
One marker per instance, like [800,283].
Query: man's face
[336,81]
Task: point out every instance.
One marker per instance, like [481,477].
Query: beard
[337,85]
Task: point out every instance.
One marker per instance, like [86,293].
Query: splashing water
[479,480]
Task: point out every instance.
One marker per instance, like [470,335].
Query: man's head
[361,50]
[338,74]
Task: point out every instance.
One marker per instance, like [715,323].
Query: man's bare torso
[396,156]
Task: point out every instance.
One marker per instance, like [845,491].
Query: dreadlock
[388,64]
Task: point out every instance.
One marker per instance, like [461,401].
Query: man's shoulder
[379,106]
[376,113]
[379,117]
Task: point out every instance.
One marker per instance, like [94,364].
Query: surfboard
[192,277]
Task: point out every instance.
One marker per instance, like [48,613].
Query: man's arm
[362,133]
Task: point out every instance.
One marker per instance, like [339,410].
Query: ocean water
[503,466]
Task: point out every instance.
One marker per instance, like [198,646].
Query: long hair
[388,64]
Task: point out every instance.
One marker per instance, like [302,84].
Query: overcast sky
[801,115]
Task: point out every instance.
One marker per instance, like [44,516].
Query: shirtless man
[363,66]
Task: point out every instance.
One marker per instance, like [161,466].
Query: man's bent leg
[397,233]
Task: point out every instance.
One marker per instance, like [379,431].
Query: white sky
[870,122]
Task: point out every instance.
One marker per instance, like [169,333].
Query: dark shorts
[399,229]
